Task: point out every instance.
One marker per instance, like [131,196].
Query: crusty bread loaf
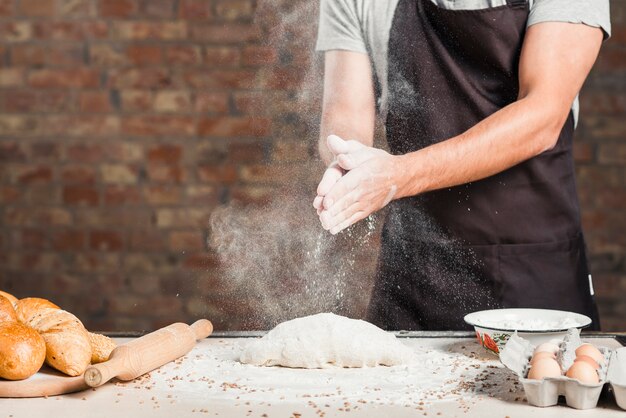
[67,342]
[101,347]
[7,313]
[28,308]
[9,296]
[22,351]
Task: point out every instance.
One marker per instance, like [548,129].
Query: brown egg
[547,347]
[591,351]
[583,372]
[589,360]
[545,367]
[541,355]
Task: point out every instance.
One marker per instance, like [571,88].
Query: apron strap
[517,3]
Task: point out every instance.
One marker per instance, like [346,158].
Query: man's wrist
[408,179]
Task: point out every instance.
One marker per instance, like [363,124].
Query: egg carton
[516,356]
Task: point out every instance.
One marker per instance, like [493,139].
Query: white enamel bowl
[494,327]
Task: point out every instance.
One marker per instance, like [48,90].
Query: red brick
[81,196]
[144,55]
[77,8]
[122,195]
[162,9]
[29,239]
[612,153]
[159,195]
[612,198]
[234,9]
[26,101]
[253,195]
[68,240]
[41,8]
[163,125]
[114,217]
[94,102]
[219,79]
[200,261]
[259,55]
[75,30]
[107,55]
[166,173]
[234,127]
[12,152]
[217,173]
[195,9]
[141,78]
[147,240]
[106,240]
[103,126]
[246,151]
[291,151]
[184,55]
[79,78]
[118,174]
[183,218]
[211,102]
[28,55]
[37,216]
[41,194]
[145,30]
[583,152]
[602,102]
[85,153]
[220,56]
[66,56]
[16,31]
[43,150]
[9,194]
[231,33]
[137,100]
[611,60]
[203,194]
[118,8]
[267,173]
[174,101]
[186,241]
[11,77]
[280,78]
[165,153]
[7,7]
[33,174]
[79,174]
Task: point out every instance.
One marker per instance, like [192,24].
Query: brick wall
[124,124]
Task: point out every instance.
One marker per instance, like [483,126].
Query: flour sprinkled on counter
[450,373]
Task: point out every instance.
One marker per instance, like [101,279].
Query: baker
[479,99]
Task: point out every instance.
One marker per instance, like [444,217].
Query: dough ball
[325,340]
[22,351]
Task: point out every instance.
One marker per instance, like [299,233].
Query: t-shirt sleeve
[589,12]
[339,27]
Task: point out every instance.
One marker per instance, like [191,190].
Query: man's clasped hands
[360,181]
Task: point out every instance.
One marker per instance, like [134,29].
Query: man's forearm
[510,136]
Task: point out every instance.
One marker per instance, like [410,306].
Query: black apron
[510,240]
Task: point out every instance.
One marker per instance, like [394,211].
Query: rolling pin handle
[202,328]
[98,374]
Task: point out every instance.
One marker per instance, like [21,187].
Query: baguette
[7,312]
[67,341]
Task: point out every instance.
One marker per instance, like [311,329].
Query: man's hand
[368,185]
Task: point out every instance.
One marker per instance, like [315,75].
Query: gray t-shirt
[364,25]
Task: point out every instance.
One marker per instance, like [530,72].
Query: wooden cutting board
[46,382]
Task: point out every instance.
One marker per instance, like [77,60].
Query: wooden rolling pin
[131,360]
